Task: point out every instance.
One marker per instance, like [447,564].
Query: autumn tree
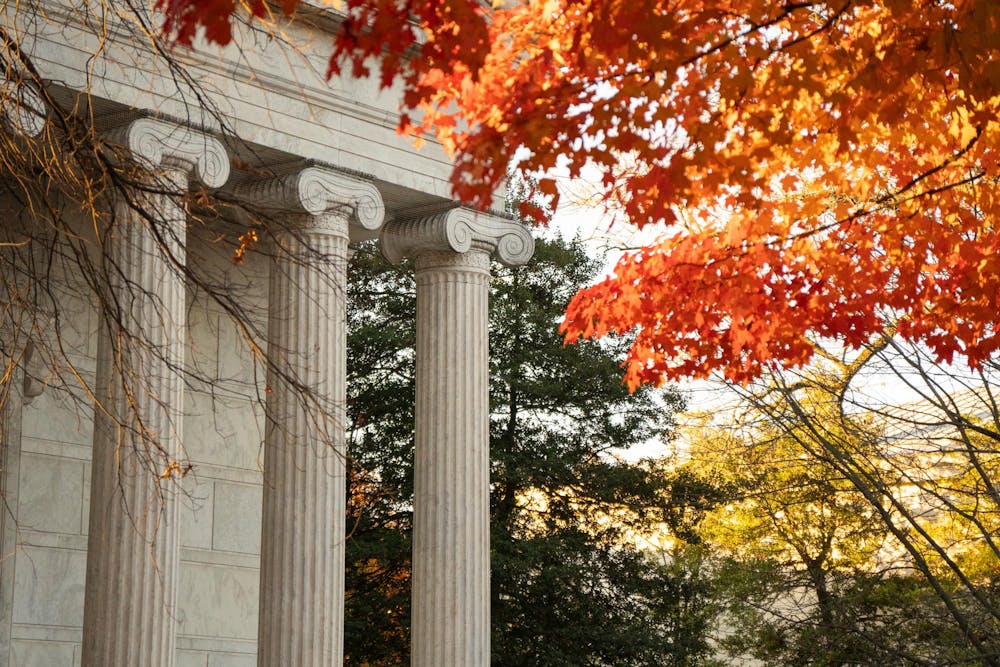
[806,570]
[815,165]
[880,508]
[799,518]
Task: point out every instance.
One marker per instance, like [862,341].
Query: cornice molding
[158,143]
[323,97]
[458,230]
[23,110]
[316,190]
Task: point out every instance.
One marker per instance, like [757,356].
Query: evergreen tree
[381,337]
[569,586]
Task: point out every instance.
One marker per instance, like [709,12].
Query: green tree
[570,584]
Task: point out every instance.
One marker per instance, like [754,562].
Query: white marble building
[240,560]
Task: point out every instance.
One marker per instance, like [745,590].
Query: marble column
[451,544]
[132,551]
[304,524]
[23,114]
[20,362]
[11,402]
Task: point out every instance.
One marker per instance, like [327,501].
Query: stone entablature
[270,93]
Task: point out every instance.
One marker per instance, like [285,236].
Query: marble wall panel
[218,601]
[48,586]
[51,494]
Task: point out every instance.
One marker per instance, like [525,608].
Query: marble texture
[52,489]
[302,557]
[218,601]
[40,654]
[130,617]
[49,586]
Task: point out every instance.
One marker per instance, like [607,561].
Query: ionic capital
[315,190]
[23,109]
[156,144]
[458,230]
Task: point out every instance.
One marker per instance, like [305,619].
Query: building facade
[173,453]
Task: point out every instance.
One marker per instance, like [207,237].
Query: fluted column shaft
[303,532]
[10,461]
[451,566]
[129,612]
[451,545]
[303,522]
[22,113]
